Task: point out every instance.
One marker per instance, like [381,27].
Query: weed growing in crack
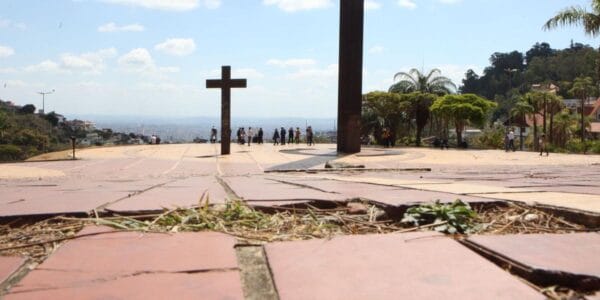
[455,217]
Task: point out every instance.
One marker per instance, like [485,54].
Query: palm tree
[520,111]
[415,81]
[555,105]
[535,99]
[576,15]
[583,87]
[563,122]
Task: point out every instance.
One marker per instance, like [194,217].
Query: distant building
[77,125]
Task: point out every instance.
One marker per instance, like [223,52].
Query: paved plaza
[421,265]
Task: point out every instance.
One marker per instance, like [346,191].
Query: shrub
[492,137]
[10,153]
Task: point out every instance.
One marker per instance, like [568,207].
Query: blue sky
[152,57]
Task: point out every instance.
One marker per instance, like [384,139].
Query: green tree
[419,109]
[467,109]
[3,124]
[554,104]
[382,109]
[521,110]
[577,15]
[28,109]
[583,88]
[563,122]
[536,100]
[415,81]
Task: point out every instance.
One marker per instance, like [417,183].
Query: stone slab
[53,202]
[393,266]
[385,194]
[181,193]
[94,265]
[575,253]
[215,285]
[9,265]
[584,202]
[261,189]
[465,188]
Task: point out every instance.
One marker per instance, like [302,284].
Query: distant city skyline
[152,57]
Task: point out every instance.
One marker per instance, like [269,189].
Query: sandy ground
[27,172]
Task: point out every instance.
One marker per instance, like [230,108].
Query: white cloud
[372,4]
[6,23]
[293,62]
[169,5]
[91,62]
[137,60]
[6,51]
[7,70]
[112,27]
[330,71]
[456,73]
[376,49]
[140,61]
[45,66]
[298,5]
[409,4]
[177,47]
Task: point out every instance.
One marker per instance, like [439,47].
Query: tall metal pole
[44,100]
[350,75]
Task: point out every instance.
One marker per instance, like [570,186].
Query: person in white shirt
[511,140]
[250,135]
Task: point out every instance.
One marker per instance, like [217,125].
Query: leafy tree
[28,109]
[563,122]
[382,109]
[542,50]
[583,88]
[554,104]
[415,81]
[535,100]
[463,110]
[419,109]
[521,110]
[471,83]
[52,118]
[4,123]
[577,15]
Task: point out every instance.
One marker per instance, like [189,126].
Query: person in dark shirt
[291,135]
[276,137]
[282,134]
[260,136]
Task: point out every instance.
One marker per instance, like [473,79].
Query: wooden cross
[225,84]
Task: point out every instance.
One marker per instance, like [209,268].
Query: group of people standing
[243,136]
[293,136]
[279,136]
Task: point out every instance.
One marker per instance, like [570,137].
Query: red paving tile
[261,189]
[384,194]
[575,253]
[181,193]
[216,285]
[9,265]
[394,266]
[18,202]
[117,264]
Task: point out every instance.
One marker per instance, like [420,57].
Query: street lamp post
[44,100]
